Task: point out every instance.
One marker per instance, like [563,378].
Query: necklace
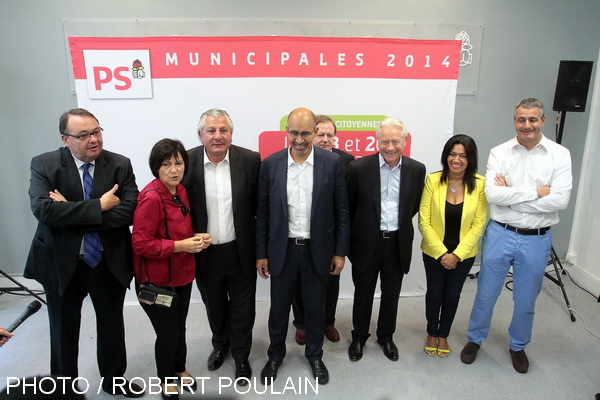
[453,189]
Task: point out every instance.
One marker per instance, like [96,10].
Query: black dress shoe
[216,358]
[243,370]
[389,349]
[128,389]
[269,372]
[319,371]
[355,352]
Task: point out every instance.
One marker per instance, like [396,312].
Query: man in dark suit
[83,198]
[302,234]
[384,191]
[222,181]
[325,139]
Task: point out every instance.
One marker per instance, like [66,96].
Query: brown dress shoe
[332,334]
[469,353]
[301,336]
[519,360]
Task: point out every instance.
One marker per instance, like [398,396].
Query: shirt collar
[207,160]
[310,159]
[79,163]
[543,143]
[382,163]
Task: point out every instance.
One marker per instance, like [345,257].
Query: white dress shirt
[390,195]
[517,204]
[219,204]
[299,195]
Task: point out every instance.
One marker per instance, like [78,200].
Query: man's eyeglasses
[85,136]
[177,200]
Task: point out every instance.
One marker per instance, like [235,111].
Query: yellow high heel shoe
[443,353]
[429,350]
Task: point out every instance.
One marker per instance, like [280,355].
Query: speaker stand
[20,287]
[559,270]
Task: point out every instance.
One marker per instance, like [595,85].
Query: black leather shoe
[129,389]
[389,349]
[469,353]
[269,372]
[243,370]
[355,352]
[520,361]
[216,358]
[319,371]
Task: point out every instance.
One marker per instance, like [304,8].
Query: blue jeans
[443,294]
[529,255]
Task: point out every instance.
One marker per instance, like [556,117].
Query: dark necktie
[92,249]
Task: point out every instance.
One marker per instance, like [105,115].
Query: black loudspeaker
[572,85]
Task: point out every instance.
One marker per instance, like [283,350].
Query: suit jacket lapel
[75,187]
[318,171]
[375,185]
[235,170]
[199,173]
[100,177]
[405,179]
[281,182]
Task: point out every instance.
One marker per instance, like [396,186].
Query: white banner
[143,89]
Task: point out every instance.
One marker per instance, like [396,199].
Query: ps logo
[118,74]
[104,75]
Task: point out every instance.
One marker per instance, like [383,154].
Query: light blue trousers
[529,256]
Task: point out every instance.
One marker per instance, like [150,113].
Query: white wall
[582,257]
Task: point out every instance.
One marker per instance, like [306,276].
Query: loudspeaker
[572,85]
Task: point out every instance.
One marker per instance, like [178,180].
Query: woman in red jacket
[164,244]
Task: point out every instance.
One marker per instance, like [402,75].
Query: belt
[524,231]
[299,241]
[233,242]
[388,234]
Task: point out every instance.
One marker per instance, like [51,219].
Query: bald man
[302,236]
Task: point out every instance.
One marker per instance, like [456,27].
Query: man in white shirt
[302,232]
[221,180]
[528,180]
[324,138]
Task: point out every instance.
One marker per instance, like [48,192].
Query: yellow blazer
[432,215]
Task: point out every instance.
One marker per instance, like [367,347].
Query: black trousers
[229,294]
[170,348]
[64,313]
[333,292]
[386,266]
[298,268]
[443,294]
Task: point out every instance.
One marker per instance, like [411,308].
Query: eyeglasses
[177,200]
[85,136]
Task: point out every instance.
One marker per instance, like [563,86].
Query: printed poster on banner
[258,80]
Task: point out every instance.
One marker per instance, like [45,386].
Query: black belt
[524,231]
[299,241]
[233,242]
[388,234]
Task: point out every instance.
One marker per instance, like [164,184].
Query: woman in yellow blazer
[451,219]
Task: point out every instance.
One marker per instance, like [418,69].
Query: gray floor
[564,357]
